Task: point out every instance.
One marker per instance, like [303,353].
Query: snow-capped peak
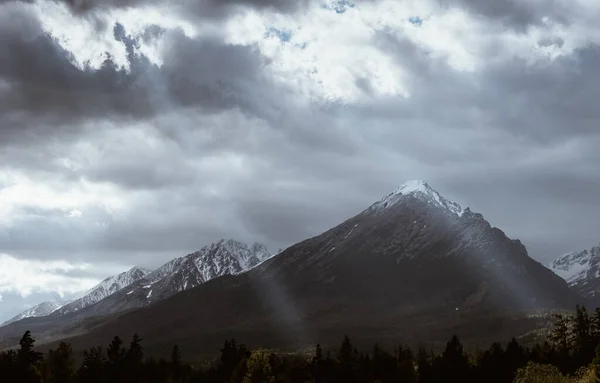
[421,190]
[577,266]
[413,186]
[105,288]
[40,310]
[225,257]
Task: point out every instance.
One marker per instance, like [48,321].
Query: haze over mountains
[413,264]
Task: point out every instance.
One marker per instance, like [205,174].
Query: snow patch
[422,191]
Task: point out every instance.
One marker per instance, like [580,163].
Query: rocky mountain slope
[225,257]
[411,266]
[581,270]
[102,290]
[40,310]
[140,287]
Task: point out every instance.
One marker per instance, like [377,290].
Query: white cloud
[26,277]
[21,191]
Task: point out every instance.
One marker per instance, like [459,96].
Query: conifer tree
[176,368]
[93,367]
[584,347]
[60,364]
[135,355]
[115,353]
[317,365]
[28,360]
[134,358]
[116,369]
[26,354]
[345,353]
[424,367]
[454,363]
[406,365]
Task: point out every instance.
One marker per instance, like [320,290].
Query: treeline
[570,354]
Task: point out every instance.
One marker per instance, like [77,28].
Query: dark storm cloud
[517,14]
[49,96]
[304,167]
[544,101]
[45,89]
[205,9]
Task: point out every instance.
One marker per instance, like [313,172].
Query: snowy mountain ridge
[225,257]
[581,270]
[104,289]
[40,310]
[421,190]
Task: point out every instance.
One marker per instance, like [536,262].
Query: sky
[136,131]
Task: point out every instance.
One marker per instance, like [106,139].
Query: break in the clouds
[132,132]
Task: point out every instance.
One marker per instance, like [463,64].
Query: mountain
[581,270]
[104,289]
[225,257]
[413,266]
[139,287]
[40,310]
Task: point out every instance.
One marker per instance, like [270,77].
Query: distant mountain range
[104,289]
[581,270]
[138,287]
[412,266]
[40,310]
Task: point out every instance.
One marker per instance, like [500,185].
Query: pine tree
[317,365]
[584,346]
[561,338]
[454,362]
[425,367]
[116,369]
[346,358]
[406,365]
[26,354]
[176,368]
[115,352]
[346,351]
[93,367]
[28,361]
[135,355]
[61,365]
[134,358]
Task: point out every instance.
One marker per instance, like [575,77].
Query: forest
[570,353]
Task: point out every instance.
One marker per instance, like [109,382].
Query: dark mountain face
[412,265]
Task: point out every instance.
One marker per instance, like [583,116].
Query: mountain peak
[421,190]
[413,186]
[577,267]
[137,269]
[40,310]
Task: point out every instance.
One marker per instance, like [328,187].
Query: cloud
[26,276]
[273,127]
[45,84]
[207,9]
